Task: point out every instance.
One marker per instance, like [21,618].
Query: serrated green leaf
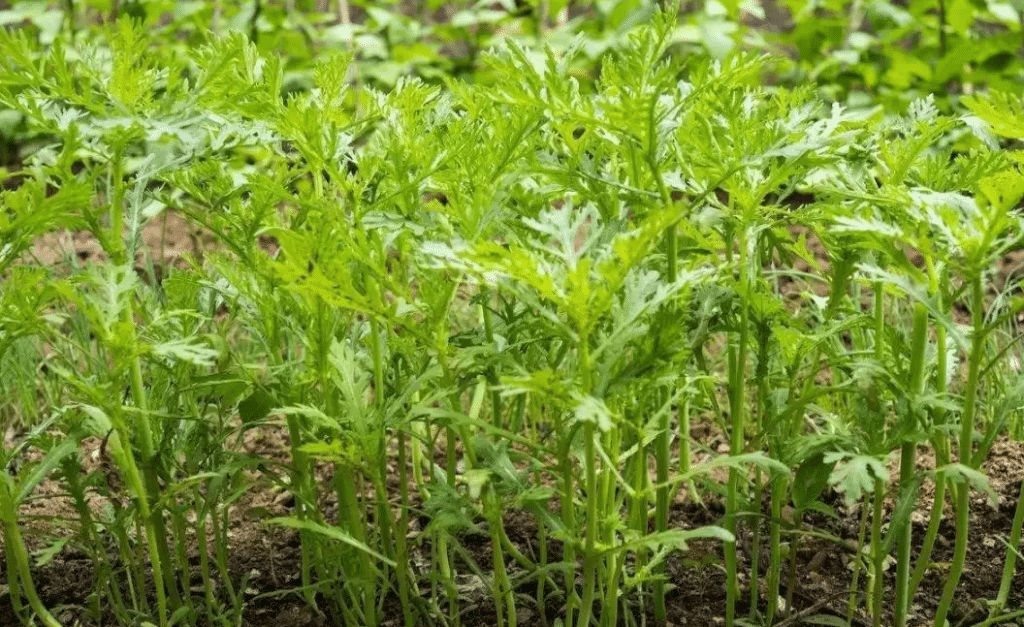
[188,351]
[676,538]
[854,475]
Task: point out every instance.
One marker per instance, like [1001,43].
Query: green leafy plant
[510,296]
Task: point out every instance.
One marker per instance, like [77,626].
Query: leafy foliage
[513,292]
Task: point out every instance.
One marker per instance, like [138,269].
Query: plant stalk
[963,500]
[908,454]
[737,383]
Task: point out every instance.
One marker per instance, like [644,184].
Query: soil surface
[269,556]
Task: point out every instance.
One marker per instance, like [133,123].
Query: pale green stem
[502,588]
[17,553]
[590,556]
[737,382]
[401,543]
[908,454]
[1013,548]
[862,532]
[877,553]
[941,447]
[149,485]
[963,501]
[778,494]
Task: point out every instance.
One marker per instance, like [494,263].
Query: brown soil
[270,556]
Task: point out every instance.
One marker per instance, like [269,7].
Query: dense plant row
[520,295]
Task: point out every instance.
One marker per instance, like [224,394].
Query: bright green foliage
[516,294]
[868,53]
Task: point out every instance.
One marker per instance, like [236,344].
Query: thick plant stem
[662,443]
[877,554]
[737,384]
[568,519]
[685,456]
[1012,550]
[205,571]
[907,457]
[941,447]
[793,549]
[492,375]
[962,518]
[149,488]
[502,587]
[775,539]
[611,564]
[91,537]
[762,410]
[134,479]
[444,550]
[862,532]
[155,528]
[444,553]
[445,573]
[963,500]
[18,555]
[930,534]
[661,511]
[301,490]
[352,522]
[384,522]
[639,505]
[755,553]
[610,610]
[590,556]
[401,543]
[542,562]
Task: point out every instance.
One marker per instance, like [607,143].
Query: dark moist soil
[270,558]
